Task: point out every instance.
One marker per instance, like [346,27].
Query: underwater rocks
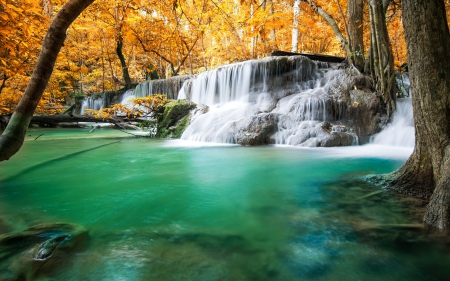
[33,252]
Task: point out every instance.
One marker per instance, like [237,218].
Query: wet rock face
[176,117]
[33,253]
[284,100]
[354,103]
[255,130]
[318,134]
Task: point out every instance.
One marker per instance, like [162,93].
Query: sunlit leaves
[148,106]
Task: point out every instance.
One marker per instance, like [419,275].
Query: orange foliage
[148,106]
[166,37]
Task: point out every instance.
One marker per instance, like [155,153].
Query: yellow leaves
[148,106]
[84,70]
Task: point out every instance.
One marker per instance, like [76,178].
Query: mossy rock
[175,119]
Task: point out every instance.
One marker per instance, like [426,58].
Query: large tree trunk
[355,32]
[428,41]
[123,63]
[382,58]
[12,138]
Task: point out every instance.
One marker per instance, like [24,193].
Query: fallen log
[316,57]
[55,120]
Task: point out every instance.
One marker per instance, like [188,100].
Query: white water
[91,103]
[400,132]
[297,97]
[300,100]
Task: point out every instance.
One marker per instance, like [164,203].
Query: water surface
[158,210]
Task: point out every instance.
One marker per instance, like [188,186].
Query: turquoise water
[155,210]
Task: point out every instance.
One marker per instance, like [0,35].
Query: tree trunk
[2,86]
[355,32]
[428,43]
[123,63]
[12,138]
[294,47]
[382,57]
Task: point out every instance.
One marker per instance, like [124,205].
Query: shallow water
[160,210]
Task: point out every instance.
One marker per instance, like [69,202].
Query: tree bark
[382,58]
[2,86]
[355,32]
[12,138]
[123,63]
[428,46]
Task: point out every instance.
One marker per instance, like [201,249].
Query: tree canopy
[163,37]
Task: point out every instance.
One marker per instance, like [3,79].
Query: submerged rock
[34,252]
[47,248]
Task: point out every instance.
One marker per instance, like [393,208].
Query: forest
[114,44]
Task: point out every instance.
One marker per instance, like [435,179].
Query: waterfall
[292,92]
[400,132]
[91,103]
[168,87]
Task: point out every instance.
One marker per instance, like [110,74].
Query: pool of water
[160,210]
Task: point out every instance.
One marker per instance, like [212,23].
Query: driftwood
[55,120]
[317,57]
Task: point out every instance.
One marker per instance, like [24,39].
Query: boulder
[255,130]
[176,117]
[33,253]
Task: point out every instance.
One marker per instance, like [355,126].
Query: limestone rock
[255,130]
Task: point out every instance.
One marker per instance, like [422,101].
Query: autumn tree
[427,172]
[12,138]
[20,27]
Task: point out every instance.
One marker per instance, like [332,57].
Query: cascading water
[167,87]
[400,132]
[91,103]
[290,97]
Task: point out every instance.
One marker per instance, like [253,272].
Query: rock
[255,130]
[338,139]
[46,249]
[32,253]
[176,117]
[359,108]
[319,134]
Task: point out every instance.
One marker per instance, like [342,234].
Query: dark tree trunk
[2,86]
[123,63]
[381,56]
[428,41]
[12,138]
[355,32]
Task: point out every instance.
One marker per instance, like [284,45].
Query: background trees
[118,42]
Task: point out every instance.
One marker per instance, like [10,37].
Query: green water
[157,211]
